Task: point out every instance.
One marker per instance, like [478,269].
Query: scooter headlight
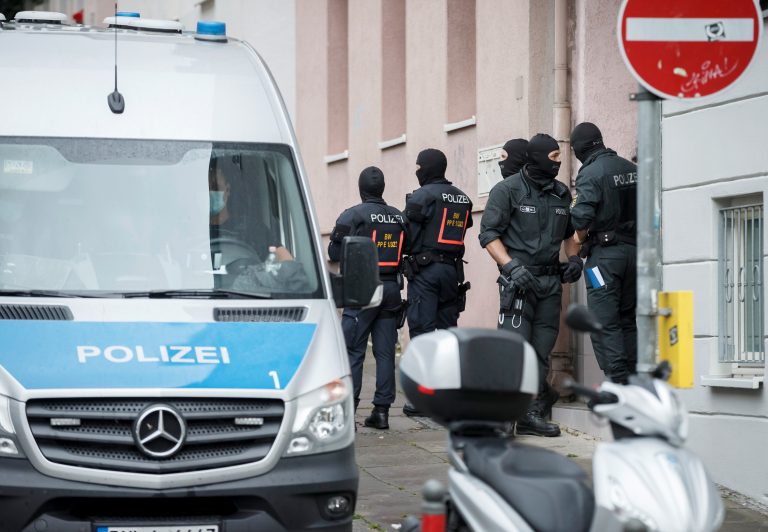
[625,510]
[324,419]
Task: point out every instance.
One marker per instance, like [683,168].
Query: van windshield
[118,218]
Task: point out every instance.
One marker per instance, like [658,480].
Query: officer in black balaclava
[373,218]
[524,224]
[513,157]
[604,214]
[438,216]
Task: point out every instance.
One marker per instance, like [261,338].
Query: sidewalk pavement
[395,463]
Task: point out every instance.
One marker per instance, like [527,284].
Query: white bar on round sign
[690,29]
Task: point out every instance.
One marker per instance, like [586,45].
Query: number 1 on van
[275,378]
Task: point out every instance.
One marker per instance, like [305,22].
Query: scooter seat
[546,489]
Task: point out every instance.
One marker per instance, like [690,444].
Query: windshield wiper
[209,293]
[16,292]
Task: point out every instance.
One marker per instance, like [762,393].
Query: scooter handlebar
[595,397]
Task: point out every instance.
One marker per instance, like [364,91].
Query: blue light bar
[128,14]
[211,28]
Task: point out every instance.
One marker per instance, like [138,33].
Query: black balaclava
[540,168]
[432,165]
[371,183]
[515,160]
[586,139]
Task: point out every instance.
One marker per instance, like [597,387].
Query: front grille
[105,438]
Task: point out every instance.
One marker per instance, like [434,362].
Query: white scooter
[475,381]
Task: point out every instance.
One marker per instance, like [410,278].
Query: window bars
[741,309]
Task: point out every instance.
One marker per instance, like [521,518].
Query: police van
[171,357]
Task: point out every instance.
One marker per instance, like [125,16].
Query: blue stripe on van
[56,355]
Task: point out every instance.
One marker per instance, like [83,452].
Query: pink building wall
[514,91]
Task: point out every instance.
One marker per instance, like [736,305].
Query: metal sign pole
[648,226]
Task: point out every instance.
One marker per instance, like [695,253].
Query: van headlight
[9,446]
[324,419]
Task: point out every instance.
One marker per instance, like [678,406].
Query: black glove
[518,274]
[571,270]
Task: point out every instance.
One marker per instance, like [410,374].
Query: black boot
[379,418]
[410,410]
[535,425]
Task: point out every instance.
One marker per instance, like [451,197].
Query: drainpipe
[561,360]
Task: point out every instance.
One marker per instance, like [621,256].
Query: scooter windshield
[122,218]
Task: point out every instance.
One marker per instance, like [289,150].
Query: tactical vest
[446,229]
[386,227]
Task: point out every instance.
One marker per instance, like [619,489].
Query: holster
[402,313]
[409,267]
[461,300]
[506,294]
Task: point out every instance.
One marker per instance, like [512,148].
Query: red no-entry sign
[688,48]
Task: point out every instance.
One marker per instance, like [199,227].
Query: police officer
[524,224]
[513,157]
[375,219]
[604,213]
[438,215]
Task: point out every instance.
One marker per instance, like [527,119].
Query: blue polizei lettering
[103,355]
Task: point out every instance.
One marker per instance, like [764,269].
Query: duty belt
[608,238]
[550,269]
[426,257]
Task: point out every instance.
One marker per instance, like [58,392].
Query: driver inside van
[236,230]
[227,223]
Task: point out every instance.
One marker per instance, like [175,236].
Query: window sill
[336,157]
[749,382]
[391,143]
[455,126]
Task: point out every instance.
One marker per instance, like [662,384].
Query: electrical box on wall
[488,171]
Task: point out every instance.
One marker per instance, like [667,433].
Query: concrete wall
[713,150]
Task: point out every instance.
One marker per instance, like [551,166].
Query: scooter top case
[470,375]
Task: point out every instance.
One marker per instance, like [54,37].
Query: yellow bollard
[676,336]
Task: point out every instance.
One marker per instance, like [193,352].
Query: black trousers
[433,299]
[614,305]
[539,326]
[381,324]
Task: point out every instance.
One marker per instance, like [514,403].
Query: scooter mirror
[579,317]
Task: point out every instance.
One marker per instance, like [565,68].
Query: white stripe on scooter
[690,29]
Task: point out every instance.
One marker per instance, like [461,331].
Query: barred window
[742,322]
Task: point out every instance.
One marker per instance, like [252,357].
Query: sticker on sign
[181,528]
[688,48]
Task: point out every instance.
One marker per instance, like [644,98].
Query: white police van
[170,354]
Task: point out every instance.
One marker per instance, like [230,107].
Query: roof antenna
[115,99]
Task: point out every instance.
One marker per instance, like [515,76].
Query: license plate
[163,528]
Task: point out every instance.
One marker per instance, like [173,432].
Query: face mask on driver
[217,203]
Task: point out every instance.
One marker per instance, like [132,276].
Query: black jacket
[606,194]
[531,221]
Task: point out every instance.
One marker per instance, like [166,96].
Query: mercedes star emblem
[160,431]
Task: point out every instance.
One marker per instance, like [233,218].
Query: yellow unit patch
[676,336]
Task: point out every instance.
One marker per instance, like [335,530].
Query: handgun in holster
[402,312]
[409,267]
[511,301]
[461,300]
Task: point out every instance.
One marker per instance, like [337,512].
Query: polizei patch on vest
[455,198]
[386,218]
[560,211]
[528,209]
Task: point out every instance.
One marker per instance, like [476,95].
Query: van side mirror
[358,284]
[579,318]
